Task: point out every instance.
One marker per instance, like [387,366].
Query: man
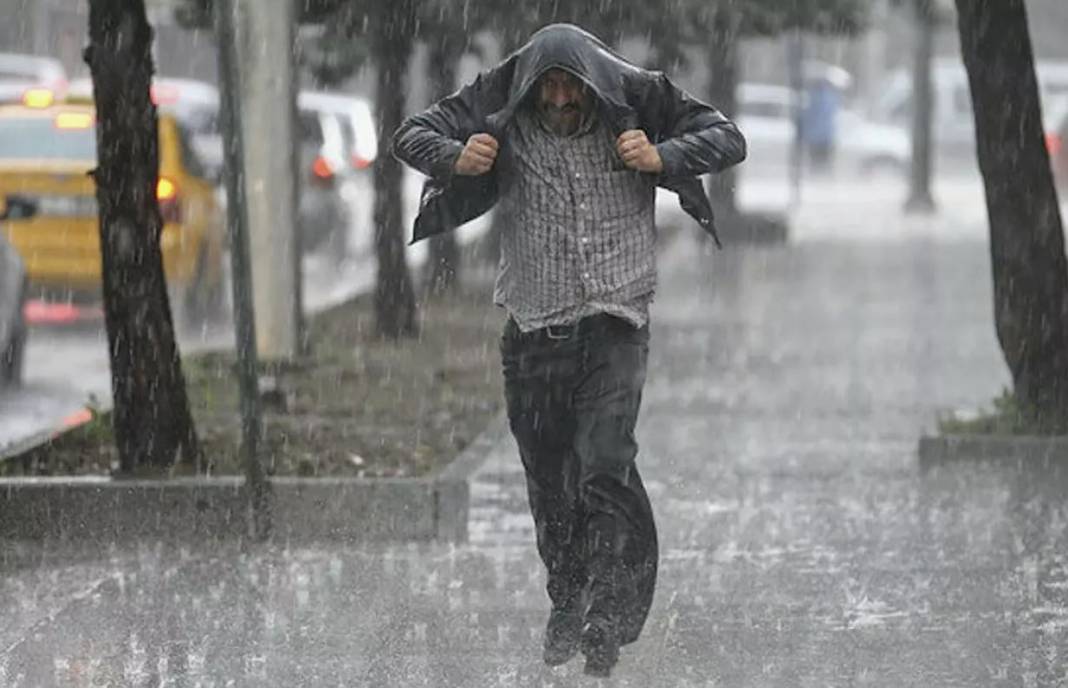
[570,141]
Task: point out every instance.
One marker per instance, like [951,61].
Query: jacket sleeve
[432,140]
[695,138]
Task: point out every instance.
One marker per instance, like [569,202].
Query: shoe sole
[554,660]
[601,653]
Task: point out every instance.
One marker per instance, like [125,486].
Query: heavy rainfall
[463,343]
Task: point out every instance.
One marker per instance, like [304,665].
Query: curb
[102,510]
[452,497]
[1021,451]
[752,229]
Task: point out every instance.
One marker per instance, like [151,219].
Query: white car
[953,120]
[871,146]
[20,73]
[350,142]
[766,119]
[766,114]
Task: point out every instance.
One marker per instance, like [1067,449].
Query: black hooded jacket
[692,138]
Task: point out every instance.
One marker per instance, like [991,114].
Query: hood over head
[568,47]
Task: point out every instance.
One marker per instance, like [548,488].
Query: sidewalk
[800,544]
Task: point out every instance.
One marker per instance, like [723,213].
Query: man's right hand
[478,155]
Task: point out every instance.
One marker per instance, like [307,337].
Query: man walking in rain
[570,141]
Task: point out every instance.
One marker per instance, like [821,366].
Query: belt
[569,330]
[560,332]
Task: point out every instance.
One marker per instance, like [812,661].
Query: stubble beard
[562,121]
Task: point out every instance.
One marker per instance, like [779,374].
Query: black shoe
[562,635]
[601,647]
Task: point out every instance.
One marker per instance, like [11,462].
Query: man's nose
[559,97]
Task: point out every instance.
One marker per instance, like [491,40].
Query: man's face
[562,100]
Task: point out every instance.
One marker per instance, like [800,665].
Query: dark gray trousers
[573,395]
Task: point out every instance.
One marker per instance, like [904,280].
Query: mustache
[567,108]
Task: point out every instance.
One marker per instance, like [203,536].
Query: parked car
[1055,121]
[953,119]
[45,154]
[322,216]
[324,152]
[13,290]
[766,115]
[350,143]
[22,73]
[195,104]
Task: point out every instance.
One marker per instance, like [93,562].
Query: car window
[19,77]
[1054,111]
[348,133]
[764,108]
[309,128]
[190,160]
[45,138]
[196,119]
[962,100]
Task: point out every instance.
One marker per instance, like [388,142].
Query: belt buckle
[550,332]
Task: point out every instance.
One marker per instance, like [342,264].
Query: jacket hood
[570,48]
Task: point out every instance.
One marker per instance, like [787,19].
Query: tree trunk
[443,263]
[723,77]
[1026,235]
[920,199]
[392,37]
[151,412]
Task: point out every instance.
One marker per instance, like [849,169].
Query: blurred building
[58,28]
[887,45]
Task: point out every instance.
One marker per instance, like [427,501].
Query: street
[801,545]
[849,419]
[68,366]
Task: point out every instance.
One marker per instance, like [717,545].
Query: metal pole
[244,316]
[796,56]
[920,199]
[268,94]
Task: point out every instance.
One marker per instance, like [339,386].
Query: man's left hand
[637,153]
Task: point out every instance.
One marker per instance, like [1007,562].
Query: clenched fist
[478,155]
[637,153]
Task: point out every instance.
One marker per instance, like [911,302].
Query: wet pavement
[801,543]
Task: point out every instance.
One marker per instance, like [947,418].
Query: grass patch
[357,405]
[1006,418]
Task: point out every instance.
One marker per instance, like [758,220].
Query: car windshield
[197,118]
[1054,111]
[40,138]
[348,133]
[12,76]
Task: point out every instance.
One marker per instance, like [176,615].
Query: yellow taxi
[46,150]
